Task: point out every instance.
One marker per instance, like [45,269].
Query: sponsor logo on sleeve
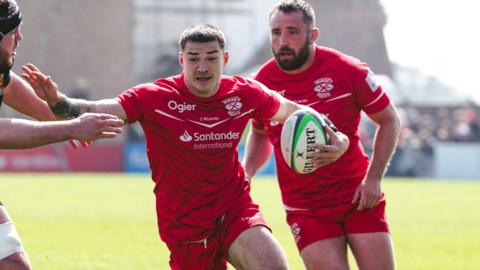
[372,81]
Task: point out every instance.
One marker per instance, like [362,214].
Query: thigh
[201,255]
[372,251]
[256,248]
[247,240]
[16,261]
[310,227]
[328,254]
[370,220]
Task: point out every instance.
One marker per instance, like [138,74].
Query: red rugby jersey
[192,148]
[340,87]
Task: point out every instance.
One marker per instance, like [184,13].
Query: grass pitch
[107,221]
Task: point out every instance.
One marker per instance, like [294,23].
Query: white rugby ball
[300,132]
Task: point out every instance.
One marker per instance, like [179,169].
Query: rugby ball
[300,132]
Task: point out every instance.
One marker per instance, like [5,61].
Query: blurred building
[159,24]
[96,49]
[86,45]
[354,27]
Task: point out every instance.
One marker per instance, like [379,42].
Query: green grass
[107,221]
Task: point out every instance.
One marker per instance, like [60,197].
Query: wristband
[66,109]
[330,124]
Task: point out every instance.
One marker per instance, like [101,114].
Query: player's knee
[279,264]
[267,263]
[317,264]
[273,258]
[258,249]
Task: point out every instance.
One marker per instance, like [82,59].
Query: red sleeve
[266,101]
[131,103]
[258,124]
[369,93]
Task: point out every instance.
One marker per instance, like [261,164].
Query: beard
[298,59]
[5,62]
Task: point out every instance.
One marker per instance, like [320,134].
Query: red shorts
[211,253]
[309,226]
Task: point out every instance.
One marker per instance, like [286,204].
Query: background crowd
[422,128]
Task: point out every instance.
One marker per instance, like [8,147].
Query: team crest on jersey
[233,105]
[323,87]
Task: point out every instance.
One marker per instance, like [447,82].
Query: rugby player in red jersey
[22,133]
[193,123]
[340,204]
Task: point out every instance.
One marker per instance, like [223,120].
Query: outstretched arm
[61,105]
[22,134]
[20,96]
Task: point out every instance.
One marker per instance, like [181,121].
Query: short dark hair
[202,33]
[288,6]
[7,8]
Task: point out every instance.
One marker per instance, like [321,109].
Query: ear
[180,58]
[314,34]
[226,56]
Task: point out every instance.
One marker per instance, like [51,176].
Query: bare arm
[385,142]
[257,150]
[286,108]
[258,147]
[20,96]
[369,192]
[107,106]
[22,134]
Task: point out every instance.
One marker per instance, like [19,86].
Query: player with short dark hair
[20,134]
[340,204]
[193,123]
